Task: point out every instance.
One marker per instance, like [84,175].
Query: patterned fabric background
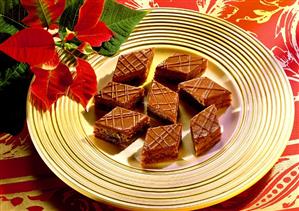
[26,183]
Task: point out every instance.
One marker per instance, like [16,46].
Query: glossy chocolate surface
[206,92]
[117,94]
[133,67]
[161,144]
[205,129]
[163,102]
[181,67]
[120,126]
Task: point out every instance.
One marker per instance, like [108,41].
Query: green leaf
[11,14]
[69,17]
[15,72]
[5,27]
[11,69]
[7,5]
[121,20]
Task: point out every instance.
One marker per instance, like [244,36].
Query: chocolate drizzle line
[113,89]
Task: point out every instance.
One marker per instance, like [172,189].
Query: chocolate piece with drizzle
[180,67]
[205,130]
[161,144]
[117,94]
[163,102]
[206,92]
[133,68]
[121,126]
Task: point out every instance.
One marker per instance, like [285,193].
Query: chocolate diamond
[163,102]
[206,92]
[121,126]
[134,67]
[181,67]
[116,94]
[161,144]
[205,130]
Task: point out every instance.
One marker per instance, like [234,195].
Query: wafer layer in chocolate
[121,126]
[206,92]
[205,130]
[163,102]
[180,67]
[134,67]
[117,94]
[161,144]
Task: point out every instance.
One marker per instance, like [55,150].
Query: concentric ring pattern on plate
[262,132]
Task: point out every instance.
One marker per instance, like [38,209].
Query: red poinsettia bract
[89,14]
[34,46]
[89,28]
[84,85]
[48,86]
[42,13]
[52,63]
[96,35]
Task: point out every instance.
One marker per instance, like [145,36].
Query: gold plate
[256,127]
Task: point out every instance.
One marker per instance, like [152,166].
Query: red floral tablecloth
[26,183]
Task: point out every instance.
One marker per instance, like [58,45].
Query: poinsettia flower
[43,13]
[85,48]
[69,35]
[36,46]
